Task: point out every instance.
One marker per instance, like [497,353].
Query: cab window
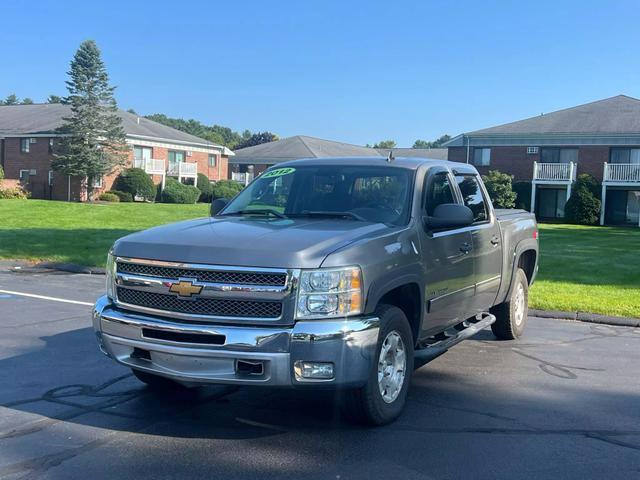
[440,191]
[473,197]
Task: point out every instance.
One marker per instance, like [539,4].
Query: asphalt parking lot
[564,402]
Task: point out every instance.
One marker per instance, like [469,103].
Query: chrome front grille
[201,306]
[198,292]
[213,276]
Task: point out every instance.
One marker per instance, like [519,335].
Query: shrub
[204,185]
[176,192]
[14,193]
[523,194]
[1,174]
[136,182]
[500,189]
[108,197]
[582,207]
[226,189]
[589,182]
[123,196]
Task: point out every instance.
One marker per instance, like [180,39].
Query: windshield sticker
[278,172]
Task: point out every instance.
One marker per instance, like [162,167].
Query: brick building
[601,138]
[28,136]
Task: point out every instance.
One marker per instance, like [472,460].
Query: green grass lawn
[590,269]
[78,232]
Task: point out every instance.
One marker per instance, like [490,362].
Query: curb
[586,317]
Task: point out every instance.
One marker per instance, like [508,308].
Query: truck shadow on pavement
[68,380]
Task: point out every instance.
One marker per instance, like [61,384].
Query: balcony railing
[153,166]
[243,178]
[557,172]
[621,172]
[183,169]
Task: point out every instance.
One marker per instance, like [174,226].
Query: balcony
[183,170]
[554,172]
[154,167]
[621,173]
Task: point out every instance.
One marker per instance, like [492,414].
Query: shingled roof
[42,119]
[302,146]
[615,115]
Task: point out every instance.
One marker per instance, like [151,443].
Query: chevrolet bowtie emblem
[185,288]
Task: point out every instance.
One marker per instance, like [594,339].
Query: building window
[97,182]
[141,155]
[481,156]
[50,178]
[625,155]
[559,155]
[24,145]
[212,160]
[24,175]
[473,197]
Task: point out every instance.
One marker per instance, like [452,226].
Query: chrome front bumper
[349,344]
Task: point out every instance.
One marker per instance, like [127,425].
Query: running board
[447,339]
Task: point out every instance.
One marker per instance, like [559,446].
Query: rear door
[448,261]
[486,239]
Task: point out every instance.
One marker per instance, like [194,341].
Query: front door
[486,239]
[448,260]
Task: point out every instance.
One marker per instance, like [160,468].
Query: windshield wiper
[257,211]
[328,213]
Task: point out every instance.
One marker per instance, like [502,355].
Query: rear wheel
[511,316]
[156,382]
[382,398]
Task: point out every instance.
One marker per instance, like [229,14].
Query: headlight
[111,276]
[329,292]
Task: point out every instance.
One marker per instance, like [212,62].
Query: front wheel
[511,315]
[382,398]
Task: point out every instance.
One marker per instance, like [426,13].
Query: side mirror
[449,215]
[217,205]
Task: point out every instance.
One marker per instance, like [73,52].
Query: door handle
[465,247]
[495,240]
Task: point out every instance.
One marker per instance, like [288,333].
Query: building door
[622,207]
[175,157]
[550,202]
[140,156]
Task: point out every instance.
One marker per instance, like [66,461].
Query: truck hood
[247,241]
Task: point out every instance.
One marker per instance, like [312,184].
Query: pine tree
[93,142]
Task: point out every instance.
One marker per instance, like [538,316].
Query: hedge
[204,185]
[176,192]
[123,196]
[108,197]
[136,182]
[226,189]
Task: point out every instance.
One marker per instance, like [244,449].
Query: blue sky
[351,71]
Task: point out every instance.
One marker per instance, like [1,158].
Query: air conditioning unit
[189,154]
[532,150]
[32,140]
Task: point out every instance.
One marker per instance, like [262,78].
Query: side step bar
[444,341]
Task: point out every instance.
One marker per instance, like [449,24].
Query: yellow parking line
[44,297]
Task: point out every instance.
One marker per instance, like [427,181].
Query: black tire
[366,405]
[510,323]
[156,382]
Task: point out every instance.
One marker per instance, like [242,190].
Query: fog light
[313,370]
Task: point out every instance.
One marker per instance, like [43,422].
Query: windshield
[362,193]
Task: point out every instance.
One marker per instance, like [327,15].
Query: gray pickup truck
[323,273]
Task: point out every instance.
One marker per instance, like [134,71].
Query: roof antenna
[390,158]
